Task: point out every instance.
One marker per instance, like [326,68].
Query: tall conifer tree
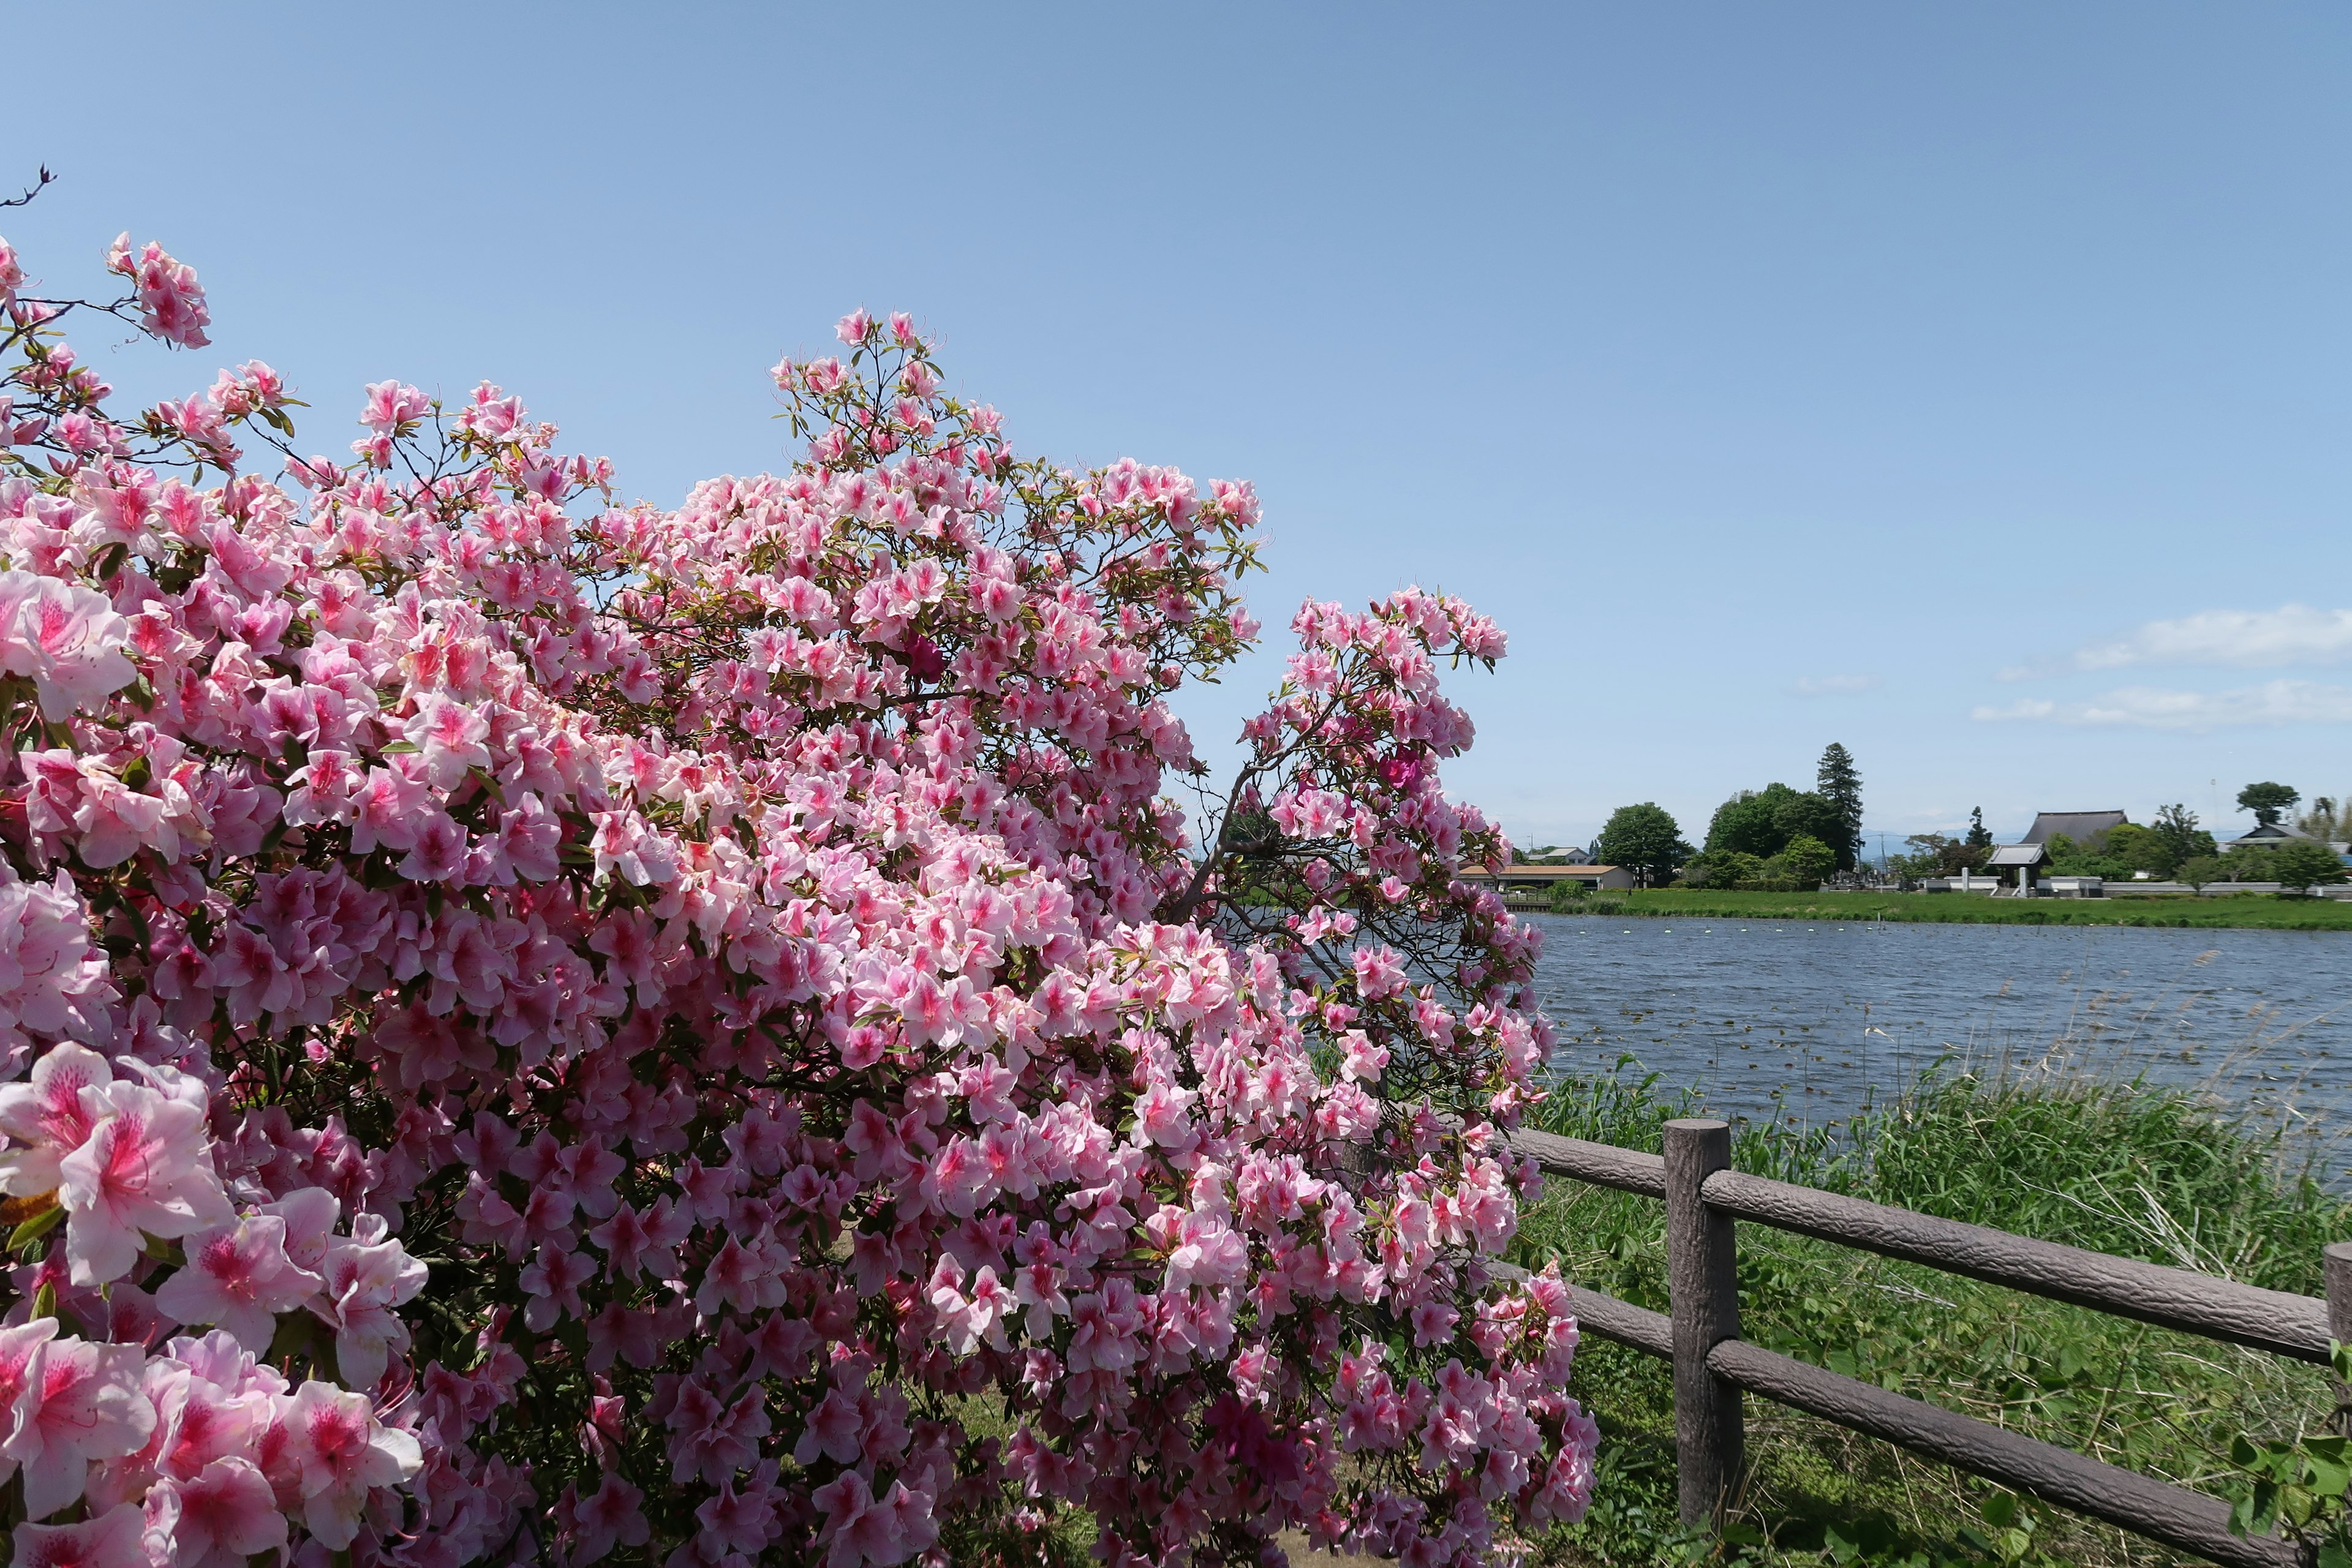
[1838,781]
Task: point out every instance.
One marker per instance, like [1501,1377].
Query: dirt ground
[1304,1556]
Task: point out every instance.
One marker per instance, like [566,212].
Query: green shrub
[2199,869]
[2300,863]
[1809,860]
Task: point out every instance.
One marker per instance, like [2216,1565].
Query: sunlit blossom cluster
[538,1028]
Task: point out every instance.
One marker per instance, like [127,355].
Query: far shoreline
[2255,911]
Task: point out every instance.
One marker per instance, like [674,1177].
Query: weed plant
[2115,1164]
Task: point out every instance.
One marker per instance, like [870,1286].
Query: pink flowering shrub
[540,1029]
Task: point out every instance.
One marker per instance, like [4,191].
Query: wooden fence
[1712,1365]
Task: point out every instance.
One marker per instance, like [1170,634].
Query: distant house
[2075,825]
[1569,856]
[2271,834]
[1543,878]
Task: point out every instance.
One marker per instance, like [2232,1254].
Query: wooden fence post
[1703,1289]
[2338,1270]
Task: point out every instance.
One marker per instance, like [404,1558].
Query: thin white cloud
[1834,685]
[2238,639]
[2025,708]
[2152,708]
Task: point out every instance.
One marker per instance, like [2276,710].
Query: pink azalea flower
[80,1402]
[146,1170]
[613,1516]
[322,788]
[738,1522]
[390,405]
[238,1277]
[81,796]
[440,852]
[171,303]
[552,1280]
[68,639]
[340,1453]
[50,1115]
[212,1400]
[116,1538]
[367,1278]
[863,1529]
[448,735]
[20,1347]
[1433,1323]
[51,978]
[218,1518]
[309,1213]
[385,810]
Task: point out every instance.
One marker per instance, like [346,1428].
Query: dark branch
[32,190]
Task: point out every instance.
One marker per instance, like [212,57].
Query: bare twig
[32,190]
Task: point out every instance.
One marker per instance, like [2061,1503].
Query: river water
[1808,1020]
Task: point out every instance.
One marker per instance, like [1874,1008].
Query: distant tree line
[2120,852]
[1776,839]
[1939,855]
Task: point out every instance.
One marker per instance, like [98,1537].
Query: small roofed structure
[1525,878]
[2021,860]
[2270,835]
[2075,825]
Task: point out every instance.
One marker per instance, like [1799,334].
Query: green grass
[2119,1166]
[2263,910]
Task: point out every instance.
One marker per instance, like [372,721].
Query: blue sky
[1965,383]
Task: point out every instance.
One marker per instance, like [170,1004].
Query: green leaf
[32,1229]
[2261,1508]
[293,1336]
[2329,1472]
[2000,1509]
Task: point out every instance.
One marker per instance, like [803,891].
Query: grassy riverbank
[2263,910]
[2123,1168]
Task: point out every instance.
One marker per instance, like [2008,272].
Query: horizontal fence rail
[2274,1320]
[1603,1164]
[2186,1520]
[1712,1365]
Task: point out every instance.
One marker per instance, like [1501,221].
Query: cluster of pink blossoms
[545,1030]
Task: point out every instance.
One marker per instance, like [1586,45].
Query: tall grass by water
[2063,1152]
